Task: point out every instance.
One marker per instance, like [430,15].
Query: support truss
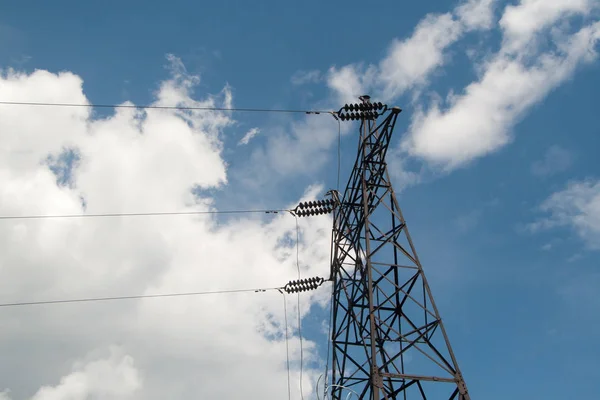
[387,335]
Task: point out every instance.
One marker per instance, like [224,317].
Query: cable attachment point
[303,285]
[310,208]
[335,197]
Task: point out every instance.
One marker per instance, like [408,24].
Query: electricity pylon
[387,334]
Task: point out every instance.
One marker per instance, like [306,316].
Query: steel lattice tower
[388,339]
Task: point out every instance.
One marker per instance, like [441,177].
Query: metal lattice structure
[387,335]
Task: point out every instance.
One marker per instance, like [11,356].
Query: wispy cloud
[521,23]
[539,51]
[518,76]
[469,221]
[555,160]
[477,13]
[305,77]
[249,136]
[577,207]
[410,62]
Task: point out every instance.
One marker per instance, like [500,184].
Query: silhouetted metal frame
[369,295]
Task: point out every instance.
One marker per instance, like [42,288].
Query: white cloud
[139,161]
[539,51]
[555,160]
[477,13]
[298,148]
[402,173]
[114,377]
[349,81]
[576,207]
[523,21]
[478,121]
[249,136]
[410,62]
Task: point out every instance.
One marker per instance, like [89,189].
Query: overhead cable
[339,149]
[157,107]
[143,296]
[299,313]
[287,346]
[281,289]
[138,214]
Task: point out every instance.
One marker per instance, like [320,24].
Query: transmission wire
[339,151]
[143,296]
[299,315]
[6,217]
[329,328]
[287,345]
[44,104]
[329,338]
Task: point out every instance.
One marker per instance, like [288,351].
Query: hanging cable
[290,287]
[348,389]
[329,339]
[287,345]
[299,314]
[317,387]
[4,217]
[339,150]
[143,296]
[155,107]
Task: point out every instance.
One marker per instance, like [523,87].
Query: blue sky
[495,153]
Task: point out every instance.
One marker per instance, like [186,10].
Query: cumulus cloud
[576,207]
[521,74]
[139,161]
[249,136]
[114,377]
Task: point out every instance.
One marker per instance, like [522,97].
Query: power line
[144,296]
[339,151]
[299,315]
[328,342]
[155,107]
[7,217]
[287,346]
